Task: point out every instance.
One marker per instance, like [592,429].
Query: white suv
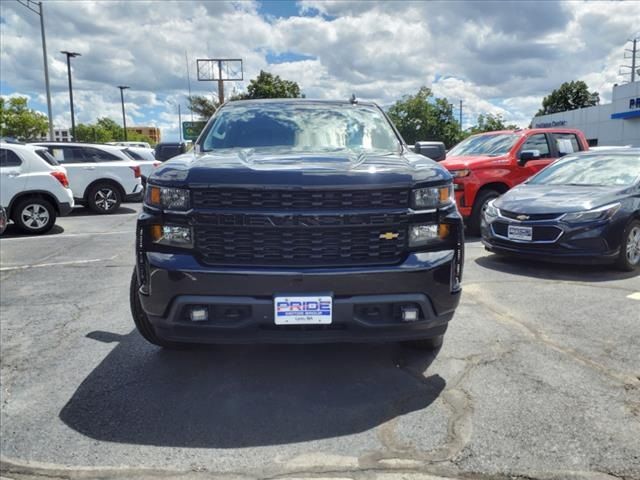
[34,189]
[101,176]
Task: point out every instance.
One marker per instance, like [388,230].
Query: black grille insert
[539,233]
[299,247]
[531,216]
[241,199]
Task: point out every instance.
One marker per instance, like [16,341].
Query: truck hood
[284,168]
[473,161]
[533,199]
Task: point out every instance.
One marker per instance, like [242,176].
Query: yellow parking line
[634,296]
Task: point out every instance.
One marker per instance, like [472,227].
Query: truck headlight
[421,235]
[465,172]
[172,235]
[602,213]
[432,197]
[167,198]
[491,212]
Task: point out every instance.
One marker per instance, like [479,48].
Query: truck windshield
[591,170]
[490,145]
[301,126]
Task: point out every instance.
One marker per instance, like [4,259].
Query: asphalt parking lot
[539,377]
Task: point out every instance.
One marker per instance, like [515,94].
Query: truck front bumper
[366,301]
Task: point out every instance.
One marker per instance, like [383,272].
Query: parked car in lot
[145,158]
[131,144]
[101,176]
[166,150]
[584,208]
[487,165]
[34,188]
[298,221]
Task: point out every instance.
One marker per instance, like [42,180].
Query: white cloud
[499,57]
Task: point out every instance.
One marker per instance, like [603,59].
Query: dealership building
[616,123]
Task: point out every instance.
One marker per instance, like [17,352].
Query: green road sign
[191,130]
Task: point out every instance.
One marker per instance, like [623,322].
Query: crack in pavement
[506,318]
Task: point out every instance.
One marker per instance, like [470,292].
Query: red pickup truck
[485,166]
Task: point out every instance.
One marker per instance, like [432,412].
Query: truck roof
[520,131]
[299,101]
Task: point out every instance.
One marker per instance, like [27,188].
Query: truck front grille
[243,199]
[301,247]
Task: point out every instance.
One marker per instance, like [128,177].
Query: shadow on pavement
[553,271]
[242,396]
[87,212]
[12,231]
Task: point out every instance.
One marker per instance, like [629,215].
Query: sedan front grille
[301,247]
[539,233]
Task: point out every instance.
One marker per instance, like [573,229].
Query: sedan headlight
[602,213]
[432,197]
[168,198]
[491,212]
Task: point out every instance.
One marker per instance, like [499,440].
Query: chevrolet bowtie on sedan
[583,208]
[297,221]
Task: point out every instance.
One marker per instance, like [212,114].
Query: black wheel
[34,215]
[629,258]
[104,198]
[142,321]
[479,206]
[433,343]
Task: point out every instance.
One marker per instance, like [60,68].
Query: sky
[497,57]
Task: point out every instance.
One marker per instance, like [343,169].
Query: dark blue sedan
[581,209]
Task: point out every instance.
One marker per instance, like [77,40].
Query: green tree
[422,117]
[569,96]
[106,130]
[490,123]
[267,85]
[17,120]
[203,106]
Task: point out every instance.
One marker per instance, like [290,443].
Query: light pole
[29,4]
[71,55]
[124,118]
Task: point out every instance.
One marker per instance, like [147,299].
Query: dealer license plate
[306,310]
[520,233]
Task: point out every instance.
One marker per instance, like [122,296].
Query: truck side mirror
[434,150]
[527,155]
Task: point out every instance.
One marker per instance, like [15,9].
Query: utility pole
[460,114]
[220,84]
[634,53]
[124,118]
[634,60]
[186,59]
[180,123]
[28,4]
[71,55]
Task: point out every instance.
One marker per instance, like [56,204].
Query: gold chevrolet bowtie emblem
[522,218]
[389,236]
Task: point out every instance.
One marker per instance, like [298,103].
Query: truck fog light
[421,235]
[199,314]
[409,314]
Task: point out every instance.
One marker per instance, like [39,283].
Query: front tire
[479,206]
[629,258]
[104,198]
[142,321]
[34,215]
